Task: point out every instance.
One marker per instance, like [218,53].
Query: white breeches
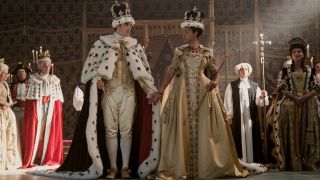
[118,111]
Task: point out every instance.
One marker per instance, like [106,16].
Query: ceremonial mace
[261,44]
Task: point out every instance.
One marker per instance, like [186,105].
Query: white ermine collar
[113,40]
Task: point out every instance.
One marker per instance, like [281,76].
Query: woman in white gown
[10,154]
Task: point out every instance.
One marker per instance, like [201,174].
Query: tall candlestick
[308,51]
[10,78]
[33,57]
[52,65]
[37,57]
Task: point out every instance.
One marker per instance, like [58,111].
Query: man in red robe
[42,127]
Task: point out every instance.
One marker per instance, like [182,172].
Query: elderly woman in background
[10,155]
[241,100]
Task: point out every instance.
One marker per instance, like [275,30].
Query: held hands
[264,93]
[5,105]
[300,100]
[100,84]
[155,97]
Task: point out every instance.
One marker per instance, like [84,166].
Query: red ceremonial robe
[52,147]
[79,164]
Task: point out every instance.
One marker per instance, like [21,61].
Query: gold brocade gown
[299,126]
[296,127]
[195,140]
[10,154]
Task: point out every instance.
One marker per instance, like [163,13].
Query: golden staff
[33,59]
[205,94]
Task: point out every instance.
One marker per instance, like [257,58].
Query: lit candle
[29,65]
[311,62]
[52,67]
[308,51]
[33,58]
[36,56]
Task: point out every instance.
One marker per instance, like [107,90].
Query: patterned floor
[271,175]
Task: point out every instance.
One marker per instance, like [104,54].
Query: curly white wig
[3,67]
[243,65]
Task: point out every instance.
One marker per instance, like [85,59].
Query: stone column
[146,36]
[211,25]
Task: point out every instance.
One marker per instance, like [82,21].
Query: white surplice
[246,122]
